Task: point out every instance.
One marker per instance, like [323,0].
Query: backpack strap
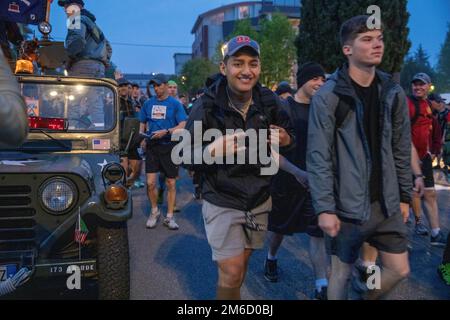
[268,101]
[416,110]
[342,110]
[93,30]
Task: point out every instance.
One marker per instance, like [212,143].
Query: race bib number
[159,112]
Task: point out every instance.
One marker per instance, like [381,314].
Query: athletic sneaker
[271,270]
[139,184]
[444,273]
[153,220]
[171,224]
[439,240]
[420,229]
[322,294]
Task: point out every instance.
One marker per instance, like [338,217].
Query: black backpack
[417,109]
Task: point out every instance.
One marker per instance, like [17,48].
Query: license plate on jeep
[7,272]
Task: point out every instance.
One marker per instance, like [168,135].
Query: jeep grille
[17,223]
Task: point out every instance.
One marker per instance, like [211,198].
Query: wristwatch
[417,176]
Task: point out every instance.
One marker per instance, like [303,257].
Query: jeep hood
[55,165]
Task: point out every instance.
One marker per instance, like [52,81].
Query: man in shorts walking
[359,162]
[160,117]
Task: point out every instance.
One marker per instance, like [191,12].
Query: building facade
[212,27]
[180,60]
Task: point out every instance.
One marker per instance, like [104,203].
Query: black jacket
[240,187]
[338,156]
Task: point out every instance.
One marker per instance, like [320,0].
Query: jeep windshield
[83,108]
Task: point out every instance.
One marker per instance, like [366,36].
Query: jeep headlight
[58,195]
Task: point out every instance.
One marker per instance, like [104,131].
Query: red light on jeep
[55,124]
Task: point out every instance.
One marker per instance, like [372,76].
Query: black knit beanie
[309,71]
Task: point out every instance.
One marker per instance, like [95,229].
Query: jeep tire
[113,262]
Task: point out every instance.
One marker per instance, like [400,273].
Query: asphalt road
[177,265]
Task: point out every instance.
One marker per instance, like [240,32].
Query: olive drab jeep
[63,204]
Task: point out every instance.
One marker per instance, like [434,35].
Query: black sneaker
[420,228]
[271,270]
[359,278]
[439,241]
[198,193]
[322,294]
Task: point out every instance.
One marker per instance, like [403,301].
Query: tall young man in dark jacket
[359,162]
[236,196]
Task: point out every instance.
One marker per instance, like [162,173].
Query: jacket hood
[88,14]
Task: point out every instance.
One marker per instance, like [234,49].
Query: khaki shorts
[226,233]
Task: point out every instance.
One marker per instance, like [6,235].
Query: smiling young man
[359,161]
[236,194]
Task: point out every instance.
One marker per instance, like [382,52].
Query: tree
[277,40]
[321,20]
[195,73]
[415,63]
[443,66]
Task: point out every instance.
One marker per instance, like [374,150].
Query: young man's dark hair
[236,198]
[352,27]
[359,161]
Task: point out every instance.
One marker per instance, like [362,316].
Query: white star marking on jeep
[102,165]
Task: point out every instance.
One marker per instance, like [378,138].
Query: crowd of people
[356,153]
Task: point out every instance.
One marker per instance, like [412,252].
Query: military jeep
[63,204]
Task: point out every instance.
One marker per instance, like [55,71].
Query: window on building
[218,19]
[244,12]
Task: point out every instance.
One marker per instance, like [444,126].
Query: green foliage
[321,20]
[194,75]
[415,63]
[443,66]
[277,40]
